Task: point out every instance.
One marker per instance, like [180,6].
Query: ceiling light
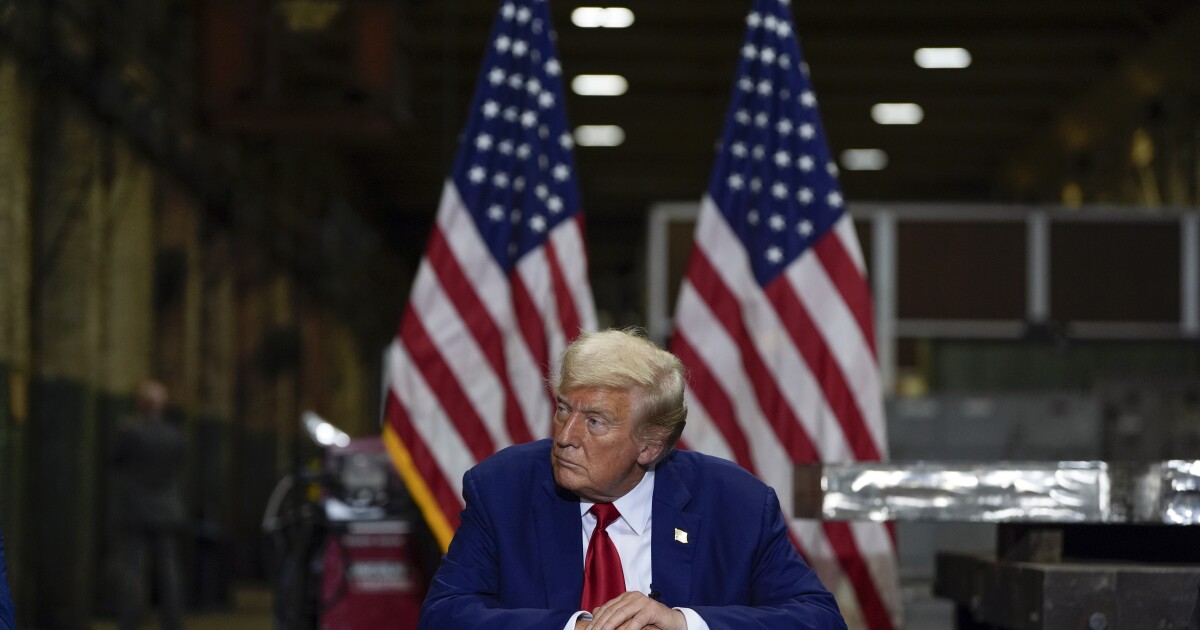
[897,113]
[942,57]
[599,135]
[598,17]
[864,159]
[599,85]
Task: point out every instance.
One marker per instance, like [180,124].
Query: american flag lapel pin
[680,536]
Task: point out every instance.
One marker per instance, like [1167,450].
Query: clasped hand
[634,611]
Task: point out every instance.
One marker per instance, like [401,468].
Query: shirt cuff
[571,622]
[694,622]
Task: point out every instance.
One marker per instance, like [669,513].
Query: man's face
[596,454]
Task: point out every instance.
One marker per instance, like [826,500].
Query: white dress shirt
[631,535]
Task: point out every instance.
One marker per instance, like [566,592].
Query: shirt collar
[635,506]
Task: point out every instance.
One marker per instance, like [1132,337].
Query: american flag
[503,285]
[773,319]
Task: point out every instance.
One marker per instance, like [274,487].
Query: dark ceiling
[1035,63]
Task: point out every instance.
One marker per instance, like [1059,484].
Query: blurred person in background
[6,605]
[147,466]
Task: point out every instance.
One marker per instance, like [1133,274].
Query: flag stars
[519,48]
[755,184]
[500,180]
[805,163]
[831,168]
[515,81]
[508,10]
[782,158]
[554,204]
[510,114]
[807,131]
[523,152]
[769,22]
[752,217]
[546,100]
[565,141]
[537,223]
[496,212]
[767,55]
[735,181]
[533,86]
[777,222]
[808,99]
[553,68]
[749,52]
[785,61]
[541,191]
[515,217]
[761,119]
[483,142]
[784,126]
[496,76]
[503,43]
[745,84]
[754,20]
[774,255]
[779,190]
[757,152]
[804,195]
[523,15]
[477,174]
[490,109]
[834,199]
[519,184]
[738,149]
[528,119]
[805,228]
[505,147]
[765,87]
[561,172]
[742,117]
[783,29]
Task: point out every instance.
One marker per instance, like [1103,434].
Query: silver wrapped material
[995,492]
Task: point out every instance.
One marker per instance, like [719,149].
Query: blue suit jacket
[517,559]
[6,605]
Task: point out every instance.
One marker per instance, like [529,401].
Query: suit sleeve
[784,592]
[464,592]
[6,605]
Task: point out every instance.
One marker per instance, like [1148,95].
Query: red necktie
[603,578]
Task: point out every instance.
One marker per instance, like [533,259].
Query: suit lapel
[673,537]
[556,514]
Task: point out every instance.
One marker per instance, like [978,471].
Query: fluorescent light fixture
[942,57]
[600,17]
[599,135]
[599,85]
[864,159]
[897,113]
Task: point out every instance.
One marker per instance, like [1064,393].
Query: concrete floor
[251,611]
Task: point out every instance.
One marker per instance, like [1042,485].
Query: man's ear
[651,449]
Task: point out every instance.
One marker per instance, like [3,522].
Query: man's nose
[568,434]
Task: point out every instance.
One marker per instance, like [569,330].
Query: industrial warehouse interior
[933,275]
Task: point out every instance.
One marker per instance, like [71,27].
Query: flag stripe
[567,316]
[428,359]
[725,307]
[482,329]
[874,610]
[419,470]
[713,400]
[800,326]
[850,283]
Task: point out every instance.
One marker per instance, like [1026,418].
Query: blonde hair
[627,360]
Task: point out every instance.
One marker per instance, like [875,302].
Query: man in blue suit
[694,542]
